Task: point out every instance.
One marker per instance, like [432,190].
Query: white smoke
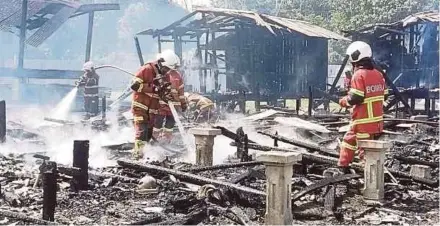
[190,5]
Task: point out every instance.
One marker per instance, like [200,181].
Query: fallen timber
[25,218]
[229,134]
[416,161]
[324,182]
[313,147]
[195,179]
[222,166]
[397,120]
[316,158]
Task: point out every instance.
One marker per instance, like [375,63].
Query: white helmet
[88,66]
[170,59]
[359,50]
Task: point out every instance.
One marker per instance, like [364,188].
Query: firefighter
[200,105]
[90,82]
[149,86]
[366,96]
[178,100]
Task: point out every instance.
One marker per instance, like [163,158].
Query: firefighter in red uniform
[149,86]
[366,96]
[178,100]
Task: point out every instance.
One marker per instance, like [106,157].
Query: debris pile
[169,191]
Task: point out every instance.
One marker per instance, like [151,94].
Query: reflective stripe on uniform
[162,102]
[91,95]
[367,120]
[138,118]
[168,130]
[157,130]
[356,91]
[348,146]
[182,97]
[152,95]
[139,105]
[362,135]
[369,102]
[137,79]
[176,103]
[90,87]
[141,86]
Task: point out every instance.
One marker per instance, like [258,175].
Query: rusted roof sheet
[38,25]
[421,17]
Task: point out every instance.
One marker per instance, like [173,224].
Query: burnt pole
[81,161]
[103,107]
[23,23]
[49,191]
[310,101]
[2,121]
[89,36]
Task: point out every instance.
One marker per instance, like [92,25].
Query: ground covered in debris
[121,194]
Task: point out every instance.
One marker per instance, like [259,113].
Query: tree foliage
[336,15]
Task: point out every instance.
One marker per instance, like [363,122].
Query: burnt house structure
[408,50]
[277,56]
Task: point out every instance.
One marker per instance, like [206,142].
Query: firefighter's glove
[343,102]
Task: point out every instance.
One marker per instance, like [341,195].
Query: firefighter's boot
[138,153]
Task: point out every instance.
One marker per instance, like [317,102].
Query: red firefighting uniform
[145,106]
[165,115]
[369,87]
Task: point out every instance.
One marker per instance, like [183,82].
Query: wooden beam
[22,33]
[89,36]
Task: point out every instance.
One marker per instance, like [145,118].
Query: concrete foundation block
[420,171]
[374,168]
[204,139]
[278,186]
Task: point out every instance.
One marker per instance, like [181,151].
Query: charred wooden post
[413,102]
[278,186]
[239,141]
[24,10]
[89,36]
[309,112]
[103,107]
[81,160]
[243,102]
[2,121]
[139,51]
[204,144]
[245,157]
[49,171]
[374,168]
[275,140]
[427,102]
[298,105]
[433,107]
[258,99]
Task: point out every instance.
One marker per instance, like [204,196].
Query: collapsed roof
[44,17]
[223,20]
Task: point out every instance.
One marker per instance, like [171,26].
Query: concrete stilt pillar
[374,168]
[278,186]
[204,144]
[420,171]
